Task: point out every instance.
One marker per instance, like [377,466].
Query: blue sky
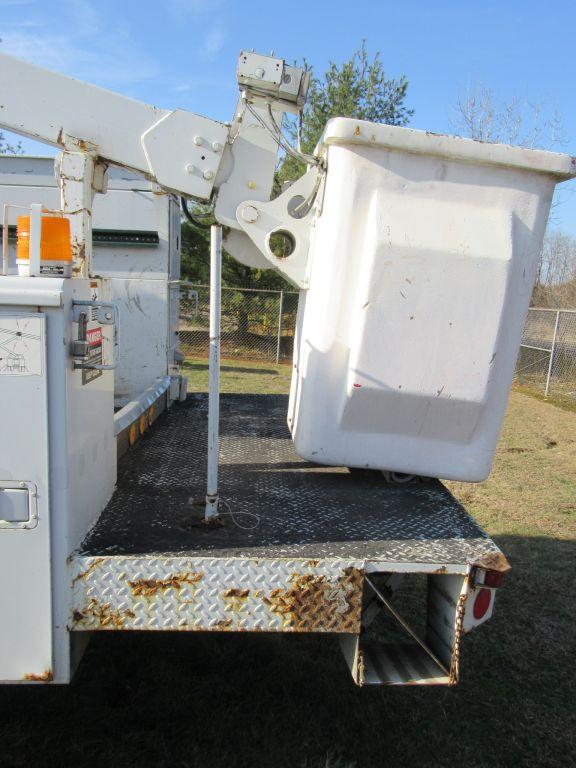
[182,53]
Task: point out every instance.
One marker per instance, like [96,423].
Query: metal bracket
[107,311]
[290,215]
[106,314]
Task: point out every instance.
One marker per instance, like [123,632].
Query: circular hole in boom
[281,243]
[296,207]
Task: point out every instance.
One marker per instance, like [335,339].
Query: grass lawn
[172,701]
[240,376]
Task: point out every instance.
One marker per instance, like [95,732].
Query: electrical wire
[192,219]
[234,515]
[276,134]
[303,208]
[296,153]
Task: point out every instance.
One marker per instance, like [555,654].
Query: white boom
[156,142]
[181,151]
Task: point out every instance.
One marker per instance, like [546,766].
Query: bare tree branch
[479,115]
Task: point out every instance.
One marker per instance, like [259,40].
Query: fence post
[279,327]
[552,353]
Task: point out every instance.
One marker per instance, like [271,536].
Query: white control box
[57,464]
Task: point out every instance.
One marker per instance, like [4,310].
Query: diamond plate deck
[300,569]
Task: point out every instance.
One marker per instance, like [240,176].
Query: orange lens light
[55,240]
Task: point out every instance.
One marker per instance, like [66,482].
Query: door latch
[102,312]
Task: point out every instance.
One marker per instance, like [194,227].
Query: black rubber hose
[188,216]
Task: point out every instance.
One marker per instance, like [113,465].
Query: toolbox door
[25,579]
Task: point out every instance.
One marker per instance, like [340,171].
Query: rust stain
[45,677]
[107,617]
[313,563]
[84,575]
[357,131]
[149,587]
[454,672]
[495,561]
[361,669]
[235,599]
[223,624]
[238,593]
[312,602]
[442,569]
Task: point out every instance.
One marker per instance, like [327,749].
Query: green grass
[240,376]
[562,400]
[171,700]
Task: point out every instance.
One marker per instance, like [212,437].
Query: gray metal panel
[302,510]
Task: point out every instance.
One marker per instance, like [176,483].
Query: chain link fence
[547,358]
[259,325]
[255,324]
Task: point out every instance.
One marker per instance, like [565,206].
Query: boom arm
[183,152]
[178,149]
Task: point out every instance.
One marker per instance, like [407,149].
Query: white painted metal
[48,106]
[214,372]
[62,440]
[25,599]
[248,168]
[143,278]
[18,501]
[80,176]
[132,410]
[421,270]
[184,152]
[271,77]
[243,249]
[261,221]
[551,363]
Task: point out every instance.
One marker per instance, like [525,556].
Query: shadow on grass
[231,369]
[147,699]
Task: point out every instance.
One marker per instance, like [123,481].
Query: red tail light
[482,604]
[493,578]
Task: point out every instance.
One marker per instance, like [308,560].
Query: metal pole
[550,364]
[5,246]
[211,510]
[279,328]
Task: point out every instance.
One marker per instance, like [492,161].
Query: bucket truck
[415,255]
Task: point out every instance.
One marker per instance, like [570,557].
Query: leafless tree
[556,281]
[479,115]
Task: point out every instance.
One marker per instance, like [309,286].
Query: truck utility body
[298,544]
[136,244]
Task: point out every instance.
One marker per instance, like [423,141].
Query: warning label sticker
[94,338]
[21,345]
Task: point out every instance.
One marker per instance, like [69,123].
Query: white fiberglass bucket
[422,263]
